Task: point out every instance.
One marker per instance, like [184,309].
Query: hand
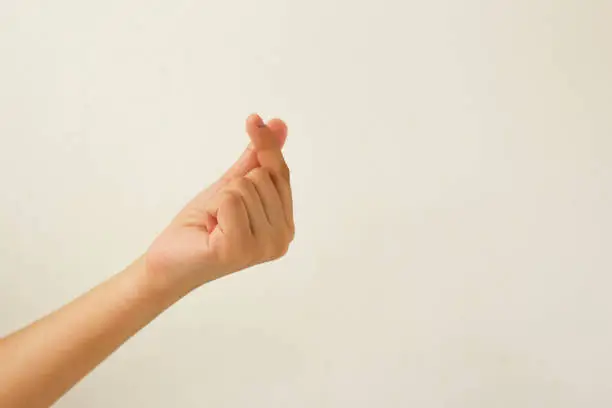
[243,219]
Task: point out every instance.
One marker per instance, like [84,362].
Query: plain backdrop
[452,168]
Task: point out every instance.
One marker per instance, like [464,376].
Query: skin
[243,219]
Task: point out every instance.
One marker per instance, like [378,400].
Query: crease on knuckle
[261,176]
[231,199]
[242,184]
[260,173]
[245,187]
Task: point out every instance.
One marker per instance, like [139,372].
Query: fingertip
[270,136]
[277,124]
[279,128]
[254,121]
[254,127]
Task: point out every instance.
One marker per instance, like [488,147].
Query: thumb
[249,160]
[267,142]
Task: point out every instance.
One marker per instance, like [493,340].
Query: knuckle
[272,246]
[280,181]
[231,199]
[245,187]
[260,173]
[242,184]
[261,177]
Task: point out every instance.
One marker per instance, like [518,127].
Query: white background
[452,163]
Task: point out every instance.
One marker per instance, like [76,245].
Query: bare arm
[243,219]
[42,361]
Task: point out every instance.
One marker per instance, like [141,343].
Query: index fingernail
[256,120]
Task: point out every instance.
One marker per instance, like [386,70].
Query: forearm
[244,219]
[42,361]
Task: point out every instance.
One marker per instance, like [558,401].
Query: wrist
[153,285]
[171,279]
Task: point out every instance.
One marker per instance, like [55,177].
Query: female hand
[243,219]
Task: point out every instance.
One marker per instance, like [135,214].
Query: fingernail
[258,121]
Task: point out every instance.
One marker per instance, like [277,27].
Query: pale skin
[243,219]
